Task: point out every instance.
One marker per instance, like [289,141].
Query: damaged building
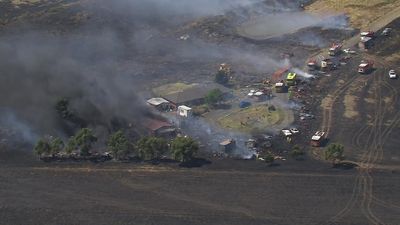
[160,128]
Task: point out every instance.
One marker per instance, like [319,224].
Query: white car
[386,31]
[349,51]
[286,133]
[392,74]
[294,130]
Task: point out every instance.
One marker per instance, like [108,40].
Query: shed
[228,145]
[184,111]
[160,104]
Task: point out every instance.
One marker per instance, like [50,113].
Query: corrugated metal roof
[156,101]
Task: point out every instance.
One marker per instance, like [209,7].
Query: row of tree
[147,148]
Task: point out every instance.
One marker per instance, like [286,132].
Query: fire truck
[326,65]
[317,139]
[312,64]
[335,49]
[291,79]
[280,87]
[365,67]
[367,34]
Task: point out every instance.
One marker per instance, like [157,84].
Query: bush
[151,147]
[334,152]
[213,97]
[183,148]
[296,152]
[119,145]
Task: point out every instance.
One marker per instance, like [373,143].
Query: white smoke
[302,73]
[16,128]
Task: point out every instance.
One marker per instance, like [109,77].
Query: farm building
[160,104]
[228,145]
[160,128]
[184,111]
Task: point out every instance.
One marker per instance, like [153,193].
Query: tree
[71,145]
[269,158]
[151,147]
[222,77]
[183,148]
[62,107]
[64,111]
[296,152]
[42,147]
[56,145]
[119,145]
[334,152]
[213,97]
[84,140]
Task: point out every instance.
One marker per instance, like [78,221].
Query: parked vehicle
[294,130]
[367,34]
[386,31]
[335,49]
[392,74]
[317,139]
[349,51]
[286,133]
[365,67]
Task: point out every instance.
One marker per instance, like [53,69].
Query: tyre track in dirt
[328,110]
[377,135]
[359,190]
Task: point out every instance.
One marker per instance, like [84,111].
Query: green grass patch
[171,88]
[249,119]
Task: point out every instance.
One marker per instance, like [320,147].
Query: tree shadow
[162,161]
[345,165]
[274,164]
[195,162]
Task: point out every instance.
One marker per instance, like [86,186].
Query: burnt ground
[364,99]
[224,192]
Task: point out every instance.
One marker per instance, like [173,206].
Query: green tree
[296,152]
[71,145]
[84,140]
[183,148]
[42,147]
[56,145]
[334,152]
[213,97]
[222,77]
[62,107]
[269,158]
[119,145]
[151,147]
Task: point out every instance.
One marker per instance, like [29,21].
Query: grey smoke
[102,65]
[312,39]
[15,128]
